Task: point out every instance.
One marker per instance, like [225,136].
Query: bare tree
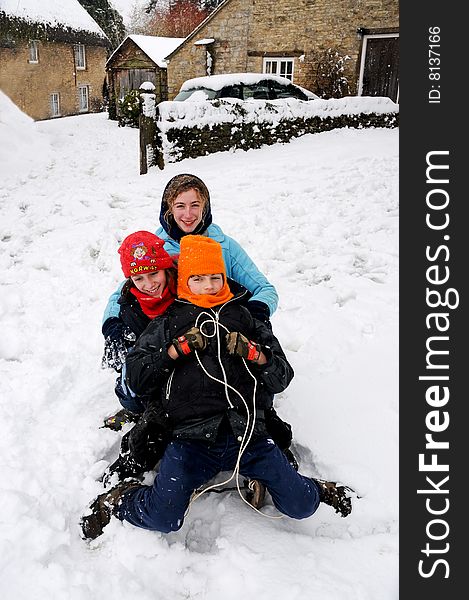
[175,18]
[138,19]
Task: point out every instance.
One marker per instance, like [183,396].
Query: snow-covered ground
[320,218]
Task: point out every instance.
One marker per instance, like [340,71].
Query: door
[379,72]
[131,79]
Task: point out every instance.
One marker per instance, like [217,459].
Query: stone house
[52,61]
[137,59]
[332,48]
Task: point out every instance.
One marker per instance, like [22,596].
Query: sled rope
[249,425]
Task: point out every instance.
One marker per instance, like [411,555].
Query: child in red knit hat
[149,290]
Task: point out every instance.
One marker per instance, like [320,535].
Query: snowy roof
[54,12]
[156,48]
[216,82]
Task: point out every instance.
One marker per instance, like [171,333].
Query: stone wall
[334,25]
[246,30]
[188,130]
[229,28]
[29,86]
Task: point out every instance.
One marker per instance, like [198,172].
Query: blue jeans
[186,465]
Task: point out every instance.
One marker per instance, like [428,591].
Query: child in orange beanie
[211,369]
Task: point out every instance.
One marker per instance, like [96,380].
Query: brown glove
[190,341]
[237,343]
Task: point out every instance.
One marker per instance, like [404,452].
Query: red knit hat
[143,252]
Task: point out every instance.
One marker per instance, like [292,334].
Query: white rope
[249,425]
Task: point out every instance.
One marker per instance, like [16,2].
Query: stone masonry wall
[229,29]
[245,30]
[179,130]
[334,25]
[191,142]
[29,85]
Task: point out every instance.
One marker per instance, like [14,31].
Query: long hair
[183,183]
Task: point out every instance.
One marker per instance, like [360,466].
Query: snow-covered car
[243,86]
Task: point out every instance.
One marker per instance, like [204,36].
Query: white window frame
[55,104]
[83,98]
[274,66]
[80,57]
[33,52]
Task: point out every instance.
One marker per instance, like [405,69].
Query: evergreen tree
[107,18]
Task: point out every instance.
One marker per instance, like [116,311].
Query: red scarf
[151,306]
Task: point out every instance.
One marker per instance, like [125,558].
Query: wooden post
[158,156]
[146,122]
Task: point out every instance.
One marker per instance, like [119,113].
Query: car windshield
[197,94]
[258,91]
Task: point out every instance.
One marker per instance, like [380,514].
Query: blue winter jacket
[239,266]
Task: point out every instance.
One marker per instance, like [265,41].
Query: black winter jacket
[189,396]
[131,313]
[132,316]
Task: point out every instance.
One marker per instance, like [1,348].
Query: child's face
[152,284]
[205,284]
[187,210]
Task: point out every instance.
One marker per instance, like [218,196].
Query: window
[80,58]
[231,91]
[279,66]
[277,90]
[83,96]
[55,104]
[33,51]
[257,91]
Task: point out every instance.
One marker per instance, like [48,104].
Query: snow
[154,47]
[204,42]
[55,12]
[216,82]
[320,218]
[199,112]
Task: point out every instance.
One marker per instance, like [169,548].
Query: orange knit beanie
[200,255]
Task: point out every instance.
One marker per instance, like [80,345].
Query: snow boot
[124,467]
[103,507]
[255,493]
[337,496]
[120,418]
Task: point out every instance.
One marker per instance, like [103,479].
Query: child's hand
[237,343]
[114,354]
[190,341]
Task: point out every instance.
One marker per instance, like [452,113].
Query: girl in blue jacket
[185,209]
